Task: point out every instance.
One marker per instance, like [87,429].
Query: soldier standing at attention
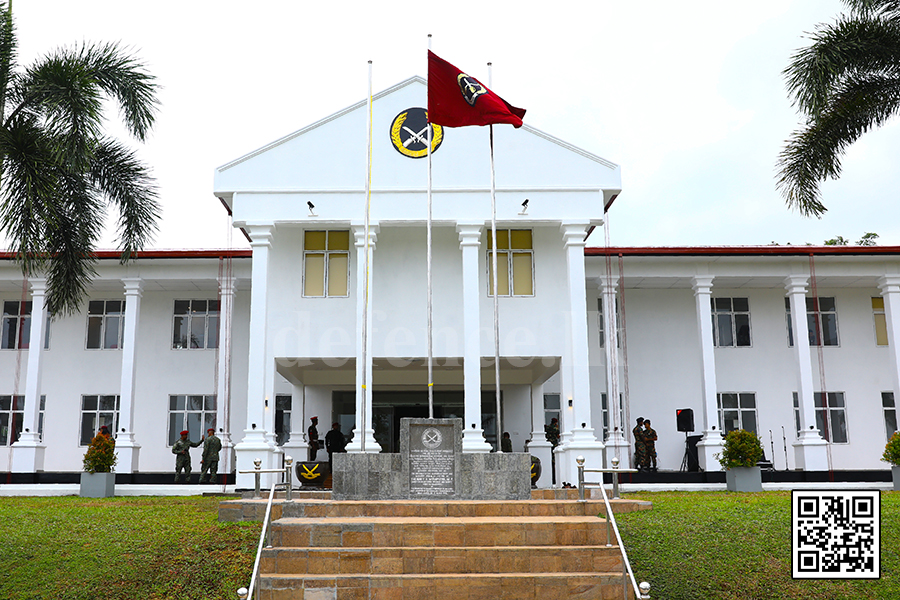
[209,462]
[640,448]
[312,436]
[181,450]
[650,442]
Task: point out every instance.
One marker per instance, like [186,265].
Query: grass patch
[730,546]
[122,548]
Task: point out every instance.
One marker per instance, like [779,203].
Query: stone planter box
[896,473]
[743,479]
[98,485]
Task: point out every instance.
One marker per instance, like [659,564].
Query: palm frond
[27,197]
[840,51]
[813,154]
[128,185]
[122,77]
[870,7]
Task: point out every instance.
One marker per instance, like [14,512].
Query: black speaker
[684,417]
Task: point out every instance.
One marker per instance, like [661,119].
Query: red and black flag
[458,100]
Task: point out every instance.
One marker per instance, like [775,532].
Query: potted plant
[739,457]
[98,480]
[892,455]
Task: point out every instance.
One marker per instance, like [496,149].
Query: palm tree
[845,83]
[59,174]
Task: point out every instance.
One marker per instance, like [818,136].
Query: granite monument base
[431,466]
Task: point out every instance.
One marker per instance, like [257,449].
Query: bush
[742,449]
[101,454]
[892,450]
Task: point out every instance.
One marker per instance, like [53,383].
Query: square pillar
[255,444]
[28,451]
[469,245]
[127,449]
[712,442]
[810,449]
[365,249]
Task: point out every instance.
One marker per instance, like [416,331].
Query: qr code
[836,534]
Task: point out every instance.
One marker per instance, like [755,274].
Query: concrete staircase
[549,547]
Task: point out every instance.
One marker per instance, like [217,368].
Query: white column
[297,447]
[810,449]
[127,449]
[469,244]
[223,381]
[616,443]
[364,429]
[581,441]
[890,291]
[28,451]
[539,447]
[712,442]
[254,444]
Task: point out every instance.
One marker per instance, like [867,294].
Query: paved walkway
[71,489]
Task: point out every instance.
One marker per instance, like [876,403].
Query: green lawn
[720,545]
[149,548]
[692,545]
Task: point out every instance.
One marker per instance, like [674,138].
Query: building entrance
[388,407]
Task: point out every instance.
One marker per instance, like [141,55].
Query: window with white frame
[881,334]
[192,413]
[601,318]
[12,416]
[195,324]
[831,416]
[730,321]
[551,410]
[604,409]
[106,321]
[737,410]
[16,327]
[282,419]
[515,263]
[326,264]
[98,411]
[821,321]
[890,413]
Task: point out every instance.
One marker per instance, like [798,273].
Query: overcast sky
[686,96]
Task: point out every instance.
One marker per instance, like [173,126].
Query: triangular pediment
[330,156]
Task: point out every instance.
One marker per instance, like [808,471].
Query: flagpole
[428,259]
[496,282]
[365,315]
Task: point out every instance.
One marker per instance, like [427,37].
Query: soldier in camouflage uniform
[650,438]
[181,450]
[640,449]
[209,462]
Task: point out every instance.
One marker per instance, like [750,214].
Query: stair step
[395,508]
[366,532]
[540,586]
[446,560]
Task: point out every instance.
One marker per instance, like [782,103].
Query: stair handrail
[641,591]
[244,593]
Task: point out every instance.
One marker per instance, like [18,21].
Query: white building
[256,342]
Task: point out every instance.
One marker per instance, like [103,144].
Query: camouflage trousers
[208,470]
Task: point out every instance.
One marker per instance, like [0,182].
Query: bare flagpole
[428,260]
[496,282]
[365,315]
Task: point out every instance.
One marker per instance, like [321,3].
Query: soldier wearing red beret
[181,449]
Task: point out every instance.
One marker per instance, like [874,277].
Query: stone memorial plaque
[432,461]
[431,450]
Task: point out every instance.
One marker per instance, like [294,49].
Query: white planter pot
[98,485]
[896,473]
[743,479]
